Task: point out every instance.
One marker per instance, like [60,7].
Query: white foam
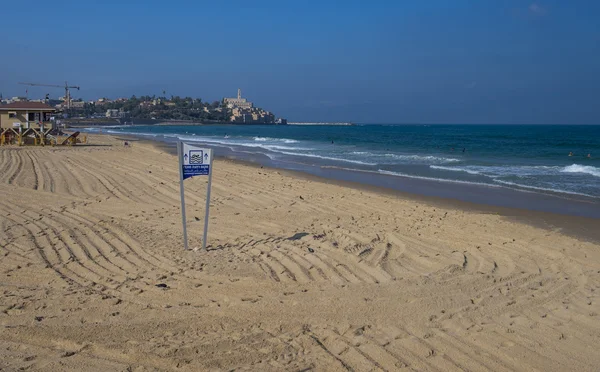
[398,174]
[423,158]
[409,158]
[587,169]
[503,170]
[284,140]
[233,142]
[277,147]
[542,188]
[454,169]
[325,157]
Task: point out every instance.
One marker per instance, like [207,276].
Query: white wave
[237,142]
[324,157]
[587,169]
[453,169]
[398,174]
[504,170]
[411,158]
[543,188]
[422,158]
[286,150]
[123,132]
[522,170]
[277,147]
[284,140]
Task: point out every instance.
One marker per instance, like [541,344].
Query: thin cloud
[537,9]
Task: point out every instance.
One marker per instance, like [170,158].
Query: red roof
[24,105]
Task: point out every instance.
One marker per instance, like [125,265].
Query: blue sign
[196,161]
[195,170]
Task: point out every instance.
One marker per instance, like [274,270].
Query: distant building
[244,112]
[77,104]
[112,113]
[251,116]
[238,102]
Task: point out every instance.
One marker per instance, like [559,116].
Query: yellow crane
[66,86]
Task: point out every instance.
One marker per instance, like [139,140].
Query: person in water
[589,156]
[571,153]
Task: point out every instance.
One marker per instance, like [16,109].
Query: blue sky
[435,61]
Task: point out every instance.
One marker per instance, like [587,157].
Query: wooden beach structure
[26,123]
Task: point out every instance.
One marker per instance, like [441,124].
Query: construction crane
[66,86]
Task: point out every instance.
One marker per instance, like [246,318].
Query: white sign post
[194,161]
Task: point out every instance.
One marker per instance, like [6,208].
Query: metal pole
[180,155]
[207,202]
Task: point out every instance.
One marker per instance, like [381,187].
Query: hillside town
[235,110]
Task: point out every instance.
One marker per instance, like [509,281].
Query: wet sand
[301,273]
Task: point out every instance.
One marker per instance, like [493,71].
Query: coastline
[577,226]
[85,123]
[458,182]
[301,272]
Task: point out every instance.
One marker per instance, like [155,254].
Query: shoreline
[575,226]
[474,191]
[546,183]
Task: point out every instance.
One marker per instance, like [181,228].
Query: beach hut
[25,123]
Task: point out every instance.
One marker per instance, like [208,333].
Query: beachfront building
[251,116]
[25,122]
[238,102]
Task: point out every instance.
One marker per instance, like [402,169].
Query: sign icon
[196,157]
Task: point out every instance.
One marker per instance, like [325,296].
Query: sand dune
[300,275]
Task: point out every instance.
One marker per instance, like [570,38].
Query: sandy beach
[300,274]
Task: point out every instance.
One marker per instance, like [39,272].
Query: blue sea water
[525,157]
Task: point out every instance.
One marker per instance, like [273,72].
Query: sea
[504,162]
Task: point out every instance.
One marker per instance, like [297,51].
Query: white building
[113,113]
[238,102]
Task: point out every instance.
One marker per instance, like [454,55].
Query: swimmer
[571,153]
[589,156]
